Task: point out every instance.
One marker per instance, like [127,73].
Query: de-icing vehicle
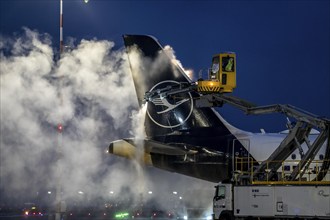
[185,134]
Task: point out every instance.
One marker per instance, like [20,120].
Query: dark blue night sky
[282,47]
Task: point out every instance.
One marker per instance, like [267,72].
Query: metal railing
[245,170]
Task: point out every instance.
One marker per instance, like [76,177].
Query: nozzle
[146,98]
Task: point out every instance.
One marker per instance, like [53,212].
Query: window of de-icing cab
[215,67]
[221,192]
[228,64]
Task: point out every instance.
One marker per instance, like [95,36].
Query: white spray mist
[138,132]
[96,94]
[97,98]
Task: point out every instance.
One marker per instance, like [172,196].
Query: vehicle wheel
[226,216]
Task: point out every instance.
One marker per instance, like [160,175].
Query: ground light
[121,215]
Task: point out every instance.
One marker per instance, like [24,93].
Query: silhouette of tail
[152,69]
[180,137]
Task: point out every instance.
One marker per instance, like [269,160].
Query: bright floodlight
[86,1]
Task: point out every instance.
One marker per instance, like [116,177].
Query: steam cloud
[91,93]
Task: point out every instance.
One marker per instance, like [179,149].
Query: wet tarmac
[46,217]
[86,216]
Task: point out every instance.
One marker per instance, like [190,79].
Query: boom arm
[298,134]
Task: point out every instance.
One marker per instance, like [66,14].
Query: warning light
[60,128]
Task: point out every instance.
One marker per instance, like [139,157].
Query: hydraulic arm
[214,93]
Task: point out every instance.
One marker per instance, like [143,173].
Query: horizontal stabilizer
[185,159]
[148,146]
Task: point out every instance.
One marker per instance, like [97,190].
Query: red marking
[60,128]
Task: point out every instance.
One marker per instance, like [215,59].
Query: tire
[226,216]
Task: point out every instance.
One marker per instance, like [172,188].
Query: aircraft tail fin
[153,69]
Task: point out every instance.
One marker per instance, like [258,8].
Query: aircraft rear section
[185,135]
[174,120]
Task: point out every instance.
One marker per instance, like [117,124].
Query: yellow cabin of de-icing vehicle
[226,70]
[222,75]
